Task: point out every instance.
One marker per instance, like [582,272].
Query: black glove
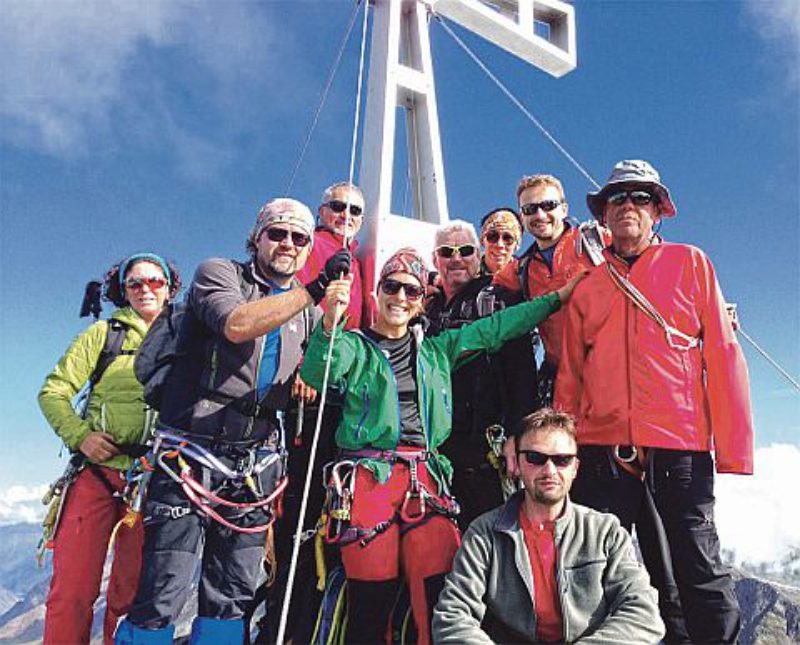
[337,266]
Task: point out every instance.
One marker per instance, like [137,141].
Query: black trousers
[673,513]
[477,491]
[229,566]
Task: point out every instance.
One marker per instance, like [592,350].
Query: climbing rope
[769,358]
[515,101]
[326,376]
[323,98]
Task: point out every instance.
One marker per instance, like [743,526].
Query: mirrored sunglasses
[446,251]
[137,284]
[392,287]
[279,235]
[537,458]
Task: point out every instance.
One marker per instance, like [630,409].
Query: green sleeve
[491,333]
[344,354]
[66,380]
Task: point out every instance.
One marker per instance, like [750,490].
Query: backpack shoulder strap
[522,274]
[112,347]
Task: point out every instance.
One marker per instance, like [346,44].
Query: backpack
[171,335]
[112,347]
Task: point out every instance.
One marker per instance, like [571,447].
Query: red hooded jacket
[627,386]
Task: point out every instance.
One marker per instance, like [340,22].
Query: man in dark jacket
[221,422]
[490,390]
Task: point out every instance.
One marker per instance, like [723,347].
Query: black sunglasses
[547,205]
[493,236]
[279,235]
[537,458]
[638,197]
[446,251]
[392,287]
[338,206]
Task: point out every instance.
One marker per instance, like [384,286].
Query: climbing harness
[252,472]
[54,499]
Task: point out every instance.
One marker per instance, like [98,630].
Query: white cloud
[777,23]
[757,516]
[22,504]
[78,75]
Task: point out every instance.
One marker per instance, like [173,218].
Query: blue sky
[165,125]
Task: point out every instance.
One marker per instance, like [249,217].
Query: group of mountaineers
[438,423]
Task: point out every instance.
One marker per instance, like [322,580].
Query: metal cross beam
[541,32]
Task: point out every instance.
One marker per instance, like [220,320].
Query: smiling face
[146,289]
[456,270]
[396,310]
[547,485]
[500,243]
[545,226]
[284,258]
[631,225]
[340,223]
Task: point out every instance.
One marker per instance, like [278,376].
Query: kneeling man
[540,568]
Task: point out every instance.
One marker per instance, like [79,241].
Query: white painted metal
[401,74]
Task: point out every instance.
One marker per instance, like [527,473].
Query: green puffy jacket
[116,405]
[371,412]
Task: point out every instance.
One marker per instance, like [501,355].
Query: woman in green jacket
[114,421]
[395,414]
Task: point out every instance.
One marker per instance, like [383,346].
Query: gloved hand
[337,266]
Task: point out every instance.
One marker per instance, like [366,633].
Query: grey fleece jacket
[605,593]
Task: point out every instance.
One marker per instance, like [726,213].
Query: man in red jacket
[651,367]
[555,257]
[341,214]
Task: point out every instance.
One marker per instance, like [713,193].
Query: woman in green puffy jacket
[395,414]
[113,423]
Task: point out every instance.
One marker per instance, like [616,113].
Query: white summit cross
[541,32]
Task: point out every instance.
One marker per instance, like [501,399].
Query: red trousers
[422,550]
[79,552]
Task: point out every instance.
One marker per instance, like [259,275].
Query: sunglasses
[537,458]
[279,235]
[446,251]
[493,236]
[137,284]
[547,206]
[638,197]
[339,207]
[392,287]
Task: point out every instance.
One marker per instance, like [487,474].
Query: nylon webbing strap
[639,299]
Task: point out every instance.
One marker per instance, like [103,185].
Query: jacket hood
[129,317]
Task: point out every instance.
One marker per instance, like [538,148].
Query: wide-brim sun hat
[632,172]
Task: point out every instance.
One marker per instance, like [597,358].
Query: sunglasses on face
[137,284]
[547,206]
[279,235]
[392,287]
[638,197]
[493,236]
[536,458]
[446,251]
[338,206]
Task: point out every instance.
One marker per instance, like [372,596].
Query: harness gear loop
[632,459]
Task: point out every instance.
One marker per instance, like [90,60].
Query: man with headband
[221,417]
[493,389]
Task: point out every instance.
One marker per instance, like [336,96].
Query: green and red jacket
[371,411]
